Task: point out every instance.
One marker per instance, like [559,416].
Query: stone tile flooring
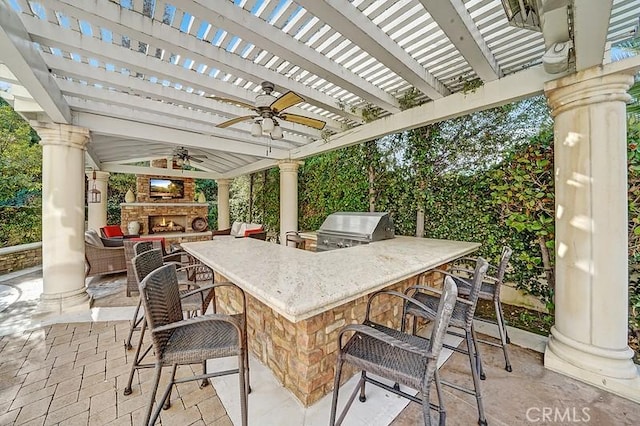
[74,374]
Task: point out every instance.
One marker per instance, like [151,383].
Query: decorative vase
[201,197]
[129,197]
[133,227]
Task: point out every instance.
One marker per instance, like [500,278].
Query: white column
[288,197]
[589,338]
[223,203]
[63,263]
[97,212]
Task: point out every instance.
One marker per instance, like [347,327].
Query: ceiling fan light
[268,124]
[276,133]
[256,129]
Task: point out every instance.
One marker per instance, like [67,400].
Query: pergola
[112,83]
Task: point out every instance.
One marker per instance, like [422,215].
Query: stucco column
[589,338]
[63,262]
[97,212]
[288,197]
[223,203]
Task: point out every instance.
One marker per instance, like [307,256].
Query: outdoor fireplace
[167,223]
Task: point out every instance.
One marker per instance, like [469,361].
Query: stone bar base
[65,302]
[303,355]
[613,371]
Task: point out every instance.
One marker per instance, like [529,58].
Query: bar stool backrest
[501,270]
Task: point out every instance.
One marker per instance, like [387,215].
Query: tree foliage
[523,192]
[21,183]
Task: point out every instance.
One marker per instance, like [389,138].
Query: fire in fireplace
[159,224]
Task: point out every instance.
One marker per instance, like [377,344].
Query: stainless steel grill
[347,229]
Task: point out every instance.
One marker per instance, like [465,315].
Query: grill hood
[345,229]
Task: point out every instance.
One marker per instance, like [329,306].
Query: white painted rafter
[350,22]
[144,131]
[456,22]
[170,115]
[22,58]
[155,33]
[89,47]
[141,87]
[121,168]
[249,27]
[48,34]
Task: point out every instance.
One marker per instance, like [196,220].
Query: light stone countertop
[299,284]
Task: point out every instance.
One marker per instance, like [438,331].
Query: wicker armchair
[178,341]
[101,260]
[221,232]
[392,354]
[462,317]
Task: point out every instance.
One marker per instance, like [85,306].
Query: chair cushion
[112,242]
[92,237]
[252,231]
[235,229]
[111,231]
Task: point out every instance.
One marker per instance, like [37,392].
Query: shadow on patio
[73,372]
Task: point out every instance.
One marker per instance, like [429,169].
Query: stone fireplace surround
[148,211]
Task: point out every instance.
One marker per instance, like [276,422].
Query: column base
[611,370]
[70,301]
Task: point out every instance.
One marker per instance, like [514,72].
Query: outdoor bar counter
[298,300]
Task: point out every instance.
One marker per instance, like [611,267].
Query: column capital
[289,165]
[61,134]
[100,176]
[223,182]
[587,87]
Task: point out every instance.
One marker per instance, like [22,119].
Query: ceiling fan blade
[307,121]
[235,121]
[285,101]
[197,160]
[198,156]
[232,101]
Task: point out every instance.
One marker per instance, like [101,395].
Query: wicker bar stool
[139,248]
[193,300]
[178,341]
[462,317]
[392,354]
[490,290]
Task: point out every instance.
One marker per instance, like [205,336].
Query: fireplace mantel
[164,204]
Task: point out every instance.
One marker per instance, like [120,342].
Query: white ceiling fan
[268,110]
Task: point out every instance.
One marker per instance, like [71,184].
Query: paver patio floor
[74,373]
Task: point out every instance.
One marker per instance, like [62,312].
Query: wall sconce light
[95,196]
